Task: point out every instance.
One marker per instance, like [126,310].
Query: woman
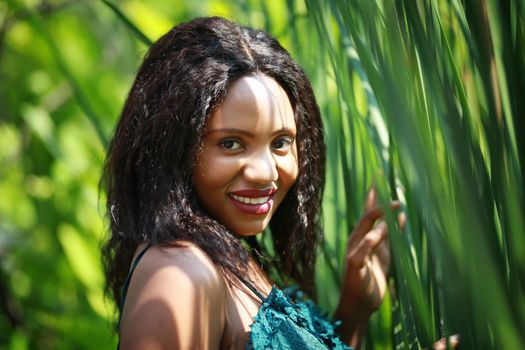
[219,139]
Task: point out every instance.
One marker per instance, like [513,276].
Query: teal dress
[285,320]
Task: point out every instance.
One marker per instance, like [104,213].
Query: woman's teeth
[248,200]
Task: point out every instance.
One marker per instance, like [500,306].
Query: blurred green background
[424,98]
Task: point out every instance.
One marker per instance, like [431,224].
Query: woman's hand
[366,266]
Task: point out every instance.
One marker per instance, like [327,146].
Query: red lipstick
[255,193]
[253,201]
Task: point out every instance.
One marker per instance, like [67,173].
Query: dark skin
[366,267]
[241,158]
[204,294]
[366,271]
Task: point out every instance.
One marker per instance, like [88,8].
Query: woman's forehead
[254,99]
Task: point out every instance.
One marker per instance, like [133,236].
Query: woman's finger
[367,221]
[358,256]
[371,198]
[382,252]
[369,218]
[402,220]
[441,344]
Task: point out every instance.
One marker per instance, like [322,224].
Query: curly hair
[185,76]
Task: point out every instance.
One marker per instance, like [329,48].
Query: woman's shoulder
[184,259]
[183,265]
[174,290]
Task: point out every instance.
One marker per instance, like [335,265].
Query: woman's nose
[261,168]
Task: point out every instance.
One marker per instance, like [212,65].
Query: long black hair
[185,76]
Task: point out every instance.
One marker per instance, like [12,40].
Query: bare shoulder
[176,299]
[187,262]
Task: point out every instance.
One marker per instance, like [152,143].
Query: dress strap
[126,285]
[252,288]
[128,278]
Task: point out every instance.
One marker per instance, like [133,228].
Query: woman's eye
[282,143]
[230,145]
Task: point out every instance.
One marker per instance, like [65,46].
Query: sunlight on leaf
[81,257]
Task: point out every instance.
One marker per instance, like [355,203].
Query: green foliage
[447,80]
[422,98]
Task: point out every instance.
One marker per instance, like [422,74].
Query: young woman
[221,138]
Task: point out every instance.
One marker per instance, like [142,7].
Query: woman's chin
[248,229]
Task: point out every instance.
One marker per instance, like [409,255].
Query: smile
[253,202]
[248,200]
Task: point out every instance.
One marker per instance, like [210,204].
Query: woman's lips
[253,201]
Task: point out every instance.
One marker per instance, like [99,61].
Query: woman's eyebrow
[231,130]
[284,130]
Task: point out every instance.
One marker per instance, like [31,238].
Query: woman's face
[248,160]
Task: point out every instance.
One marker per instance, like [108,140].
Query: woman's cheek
[289,169]
[294,167]
[221,170]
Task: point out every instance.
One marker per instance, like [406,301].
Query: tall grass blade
[134,29]
[441,76]
[38,23]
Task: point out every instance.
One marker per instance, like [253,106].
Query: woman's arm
[365,280]
[366,265]
[176,300]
